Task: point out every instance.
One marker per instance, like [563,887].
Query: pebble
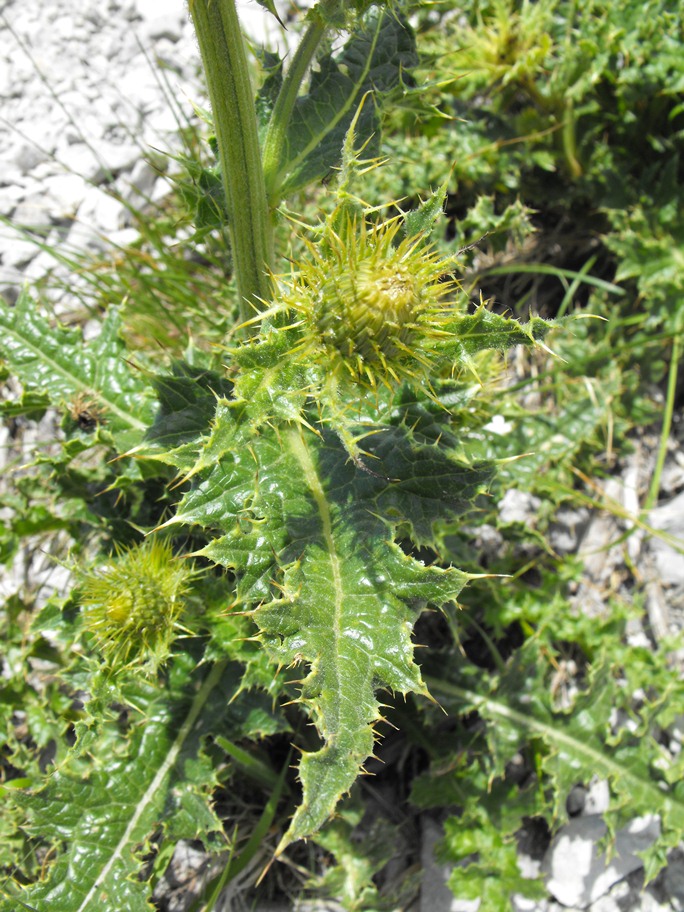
[579,873]
[668,517]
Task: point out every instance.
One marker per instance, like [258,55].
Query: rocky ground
[84,104]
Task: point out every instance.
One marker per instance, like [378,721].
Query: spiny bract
[133,602]
[371,303]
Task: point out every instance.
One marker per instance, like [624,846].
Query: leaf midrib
[75,381]
[152,789]
[300,451]
[290,166]
[555,736]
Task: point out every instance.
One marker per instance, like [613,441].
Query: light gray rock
[597,798]
[34,212]
[10,198]
[85,237]
[10,284]
[17,252]
[79,158]
[27,155]
[153,9]
[67,192]
[119,157]
[102,210]
[669,518]
[168,27]
[519,507]
[142,179]
[673,880]
[578,873]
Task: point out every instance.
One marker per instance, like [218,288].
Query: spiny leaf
[569,746]
[468,334]
[156,776]
[330,588]
[422,220]
[187,402]
[56,361]
[373,60]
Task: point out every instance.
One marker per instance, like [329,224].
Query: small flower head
[132,604]
[369,301]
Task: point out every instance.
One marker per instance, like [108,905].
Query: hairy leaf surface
[153,776]
[373,60]
[331,590]
[57,362]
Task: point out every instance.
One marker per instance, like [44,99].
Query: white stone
[153,9]
[34,212]
[143,177]
[518,507]
[27,155]
[83,236]
[40,266]
[499,426]
[11,282]
[523,904]
[80,159]
[669,518]
[161,190]
[578,874]
[17,252]
[597,799]
[123,238]
[9,199]
[118,157]
[68,192]
[6,81]
[166,26]
[101,210]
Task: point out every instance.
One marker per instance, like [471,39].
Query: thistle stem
[232,100]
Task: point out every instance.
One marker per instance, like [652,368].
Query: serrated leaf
[55,361]
[153,776]
[328,586]
[483,330]
[33,404]
[569,746]
[373,60]
[422,220]
[485,835]
[187,402]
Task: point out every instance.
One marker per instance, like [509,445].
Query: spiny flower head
[371,301]
[133,602]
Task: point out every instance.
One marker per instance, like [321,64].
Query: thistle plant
[308,464]
[335,441]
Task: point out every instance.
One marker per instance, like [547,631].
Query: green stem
[232,101]
[285,102]
[570,141]
[654,489]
